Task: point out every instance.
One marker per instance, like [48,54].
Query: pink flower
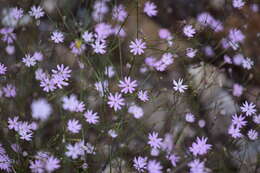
[127,85]
[189,31]
[200,147]
[73,126]
[154,141]
[115,101]
[140,163]
[36,12]
[150,9]
[57,37]
[137,47]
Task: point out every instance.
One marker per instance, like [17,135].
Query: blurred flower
[41,109]
[150,9]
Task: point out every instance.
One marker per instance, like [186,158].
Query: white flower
[178,86]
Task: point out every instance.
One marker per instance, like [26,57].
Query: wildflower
[164,33]
[252,134]
[236,36]
[234,132]
[41,109]
[51,164]
[140,163]
[91,117]
[57,37]
[238,59]
[115,101]
[196,166]
[47,84]
[29,60]
[167,58]
[201,123]
[2,68]
[189,31]
[61,75]
[38,56]
[101,87]
[189,117]
[127,85]
[154,141]
[110,71]
[37,166]
[200,147]
[247,63]
[137,47]
[9,90]
[154,167]
[208,50]
[99,46]
[36,12]
[174,159]
[143,95]
[136,111]
[204,18]
[74,151]
[17,13]
[103,30]
[77,47]
[74,126]
[88,37]
[13,123]
[238,121]
[119,13]
[237,90]
[238,4]
[248,108]
[5,161]
[40,75]
[191,53]
[112,133]
[178,86]
[8,35]
[150,9]
[256,119]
